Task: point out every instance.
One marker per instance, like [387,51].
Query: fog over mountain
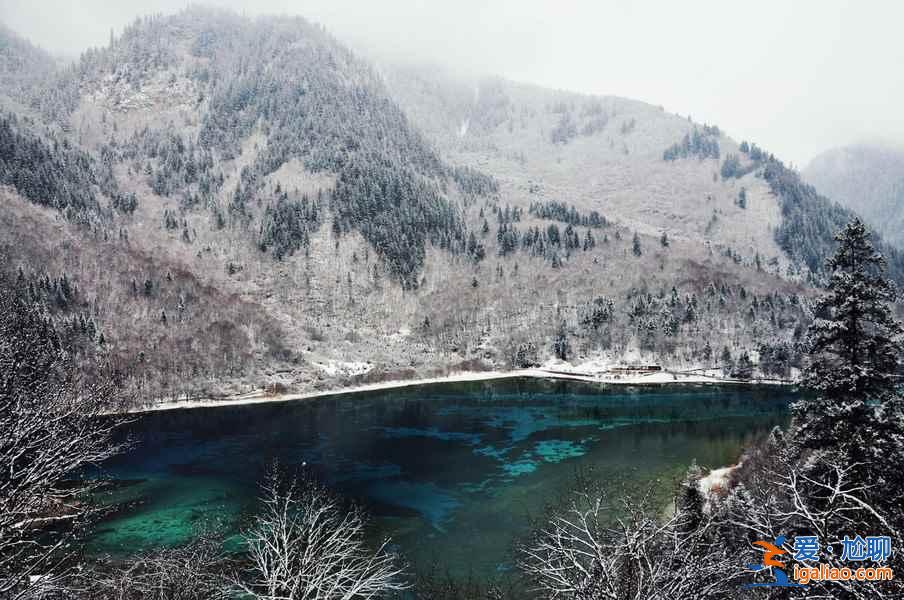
[253,196]
[797,77]
[867,178]
[577,235]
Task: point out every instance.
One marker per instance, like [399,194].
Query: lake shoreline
[652,379]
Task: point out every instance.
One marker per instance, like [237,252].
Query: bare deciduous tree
[196,571]
[51,428]
[820,497]
[305,545]
[595,550]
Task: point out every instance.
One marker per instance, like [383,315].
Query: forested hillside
[23,67]
[809,220]
[868,179]
[247,203]
[288,82]
[47,172]
[633,161]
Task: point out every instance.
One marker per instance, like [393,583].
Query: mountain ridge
[269,203]
[650,193]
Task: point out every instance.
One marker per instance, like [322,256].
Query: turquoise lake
[451,472]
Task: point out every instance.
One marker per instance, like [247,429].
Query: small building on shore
[635,369]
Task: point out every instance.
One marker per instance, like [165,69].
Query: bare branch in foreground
[304,545]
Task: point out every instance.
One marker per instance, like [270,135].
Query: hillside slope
[23,67]
[646,168]
[867,178]
[262,207]
[599,153]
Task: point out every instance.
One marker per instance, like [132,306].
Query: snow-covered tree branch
[52,428]
[305,545]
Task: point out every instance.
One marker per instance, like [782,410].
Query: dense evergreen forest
[47,172]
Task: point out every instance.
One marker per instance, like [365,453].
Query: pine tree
[725,359]
[853,341]
[854,350]
[635,245]
[690,501]
[690,314]
[743,369]
[850,433]
[560,346]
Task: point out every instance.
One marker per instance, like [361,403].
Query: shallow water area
[451,472]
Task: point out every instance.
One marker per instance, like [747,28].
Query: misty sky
[797,77]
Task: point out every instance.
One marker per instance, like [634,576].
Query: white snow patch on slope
[338,367]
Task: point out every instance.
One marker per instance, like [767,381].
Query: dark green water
[450,472]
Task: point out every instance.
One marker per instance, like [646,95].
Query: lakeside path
[261,397]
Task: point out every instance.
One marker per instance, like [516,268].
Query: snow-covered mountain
[238,202]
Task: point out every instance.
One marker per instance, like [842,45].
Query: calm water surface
[451,472]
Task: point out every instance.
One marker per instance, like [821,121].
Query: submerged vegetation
[215,205]
[831,469]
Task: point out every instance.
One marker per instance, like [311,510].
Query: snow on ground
[599,368]
[593,366]
[399,336]
[338,367]
[595,370]
[261,396]
[715,483]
